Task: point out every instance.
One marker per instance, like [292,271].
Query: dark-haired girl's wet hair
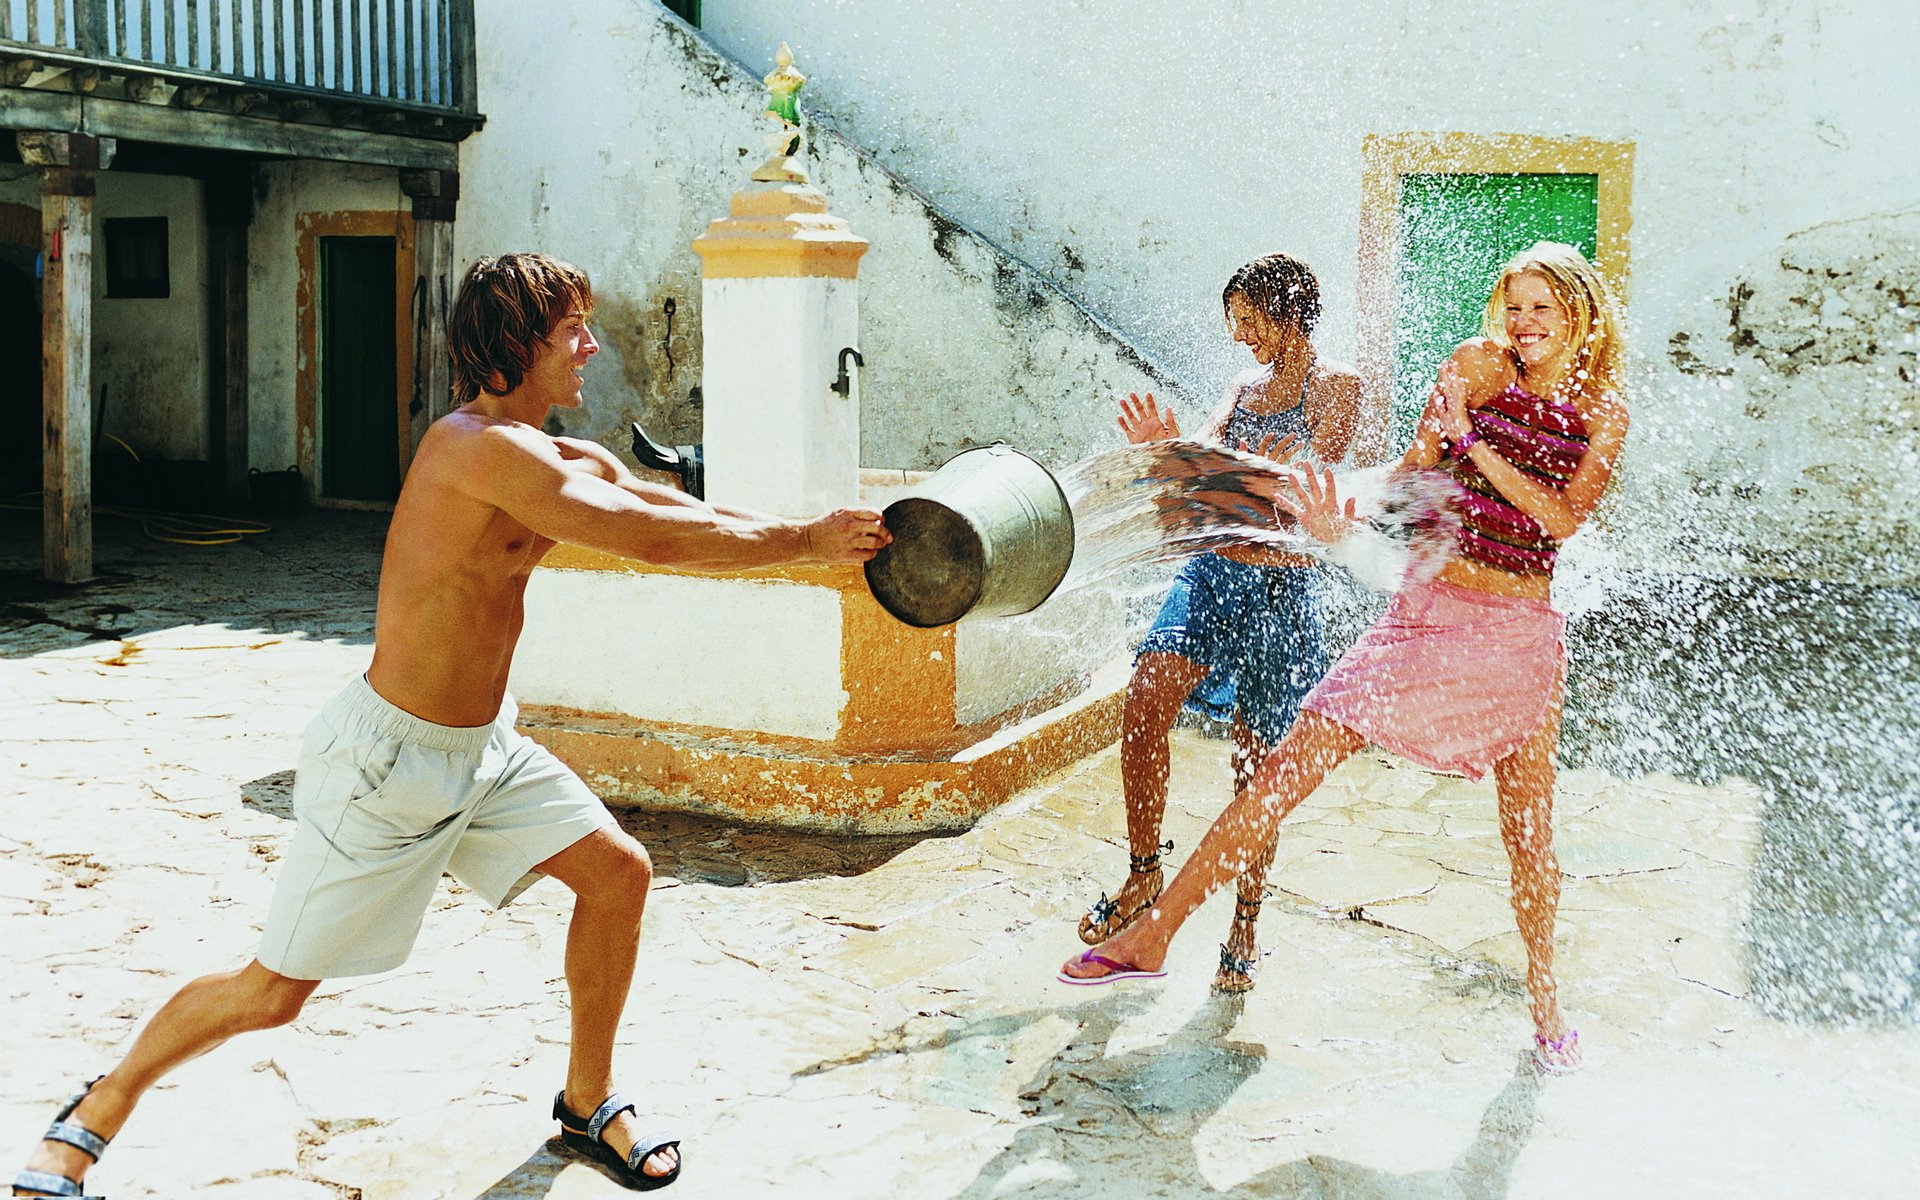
[1279,285]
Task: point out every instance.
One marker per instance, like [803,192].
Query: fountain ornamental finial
[783,89]
[783,86]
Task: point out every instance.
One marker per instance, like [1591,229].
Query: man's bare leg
[609,873]
[199,1017]
[1235,842]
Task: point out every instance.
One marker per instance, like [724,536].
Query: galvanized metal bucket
[988,534]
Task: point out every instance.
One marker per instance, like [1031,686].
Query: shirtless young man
[416,769]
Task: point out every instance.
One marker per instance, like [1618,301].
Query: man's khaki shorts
[384,803]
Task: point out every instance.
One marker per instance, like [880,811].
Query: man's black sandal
[584,1135]
[72,1133]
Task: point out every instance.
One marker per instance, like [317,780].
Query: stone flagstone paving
[875,1017]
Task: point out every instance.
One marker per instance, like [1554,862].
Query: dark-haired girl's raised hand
[1144,421]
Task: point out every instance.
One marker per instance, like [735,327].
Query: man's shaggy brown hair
[507,308]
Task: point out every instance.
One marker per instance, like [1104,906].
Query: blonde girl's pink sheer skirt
[1450,678]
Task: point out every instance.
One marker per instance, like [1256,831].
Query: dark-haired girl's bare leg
[1241,952]
[1161,683]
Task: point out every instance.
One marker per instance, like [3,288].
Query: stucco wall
[149,356]
[1135,153]
[732,653]
[620,158]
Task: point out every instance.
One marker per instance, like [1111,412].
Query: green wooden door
[359,401]
[1455,233]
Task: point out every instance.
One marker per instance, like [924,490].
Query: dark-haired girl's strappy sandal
[1104,918]
[1236,973]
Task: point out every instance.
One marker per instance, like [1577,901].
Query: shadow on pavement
[532,1178]
[1124,1125]
[1157,1099]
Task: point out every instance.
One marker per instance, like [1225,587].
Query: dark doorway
[359,399]
[20,400]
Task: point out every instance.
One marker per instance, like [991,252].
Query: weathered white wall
[624,134]
[149,356]
[778,438]
[738,654]
[1135,153]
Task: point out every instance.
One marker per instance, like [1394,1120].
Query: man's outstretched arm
[614,471]
[524,473]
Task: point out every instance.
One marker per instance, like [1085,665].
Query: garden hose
[179,529]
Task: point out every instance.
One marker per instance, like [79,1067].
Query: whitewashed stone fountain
[788,696]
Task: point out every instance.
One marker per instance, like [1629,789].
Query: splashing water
[1167,500]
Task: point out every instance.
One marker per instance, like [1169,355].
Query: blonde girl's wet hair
[1592,312]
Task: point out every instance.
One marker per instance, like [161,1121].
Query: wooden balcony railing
[399,54]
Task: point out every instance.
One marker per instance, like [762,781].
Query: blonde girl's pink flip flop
[1117,972]
[1560,1056]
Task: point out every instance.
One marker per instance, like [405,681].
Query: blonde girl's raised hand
[1144,421]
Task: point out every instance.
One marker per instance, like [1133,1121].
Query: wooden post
[68,163]
[90,31]
[229,203]
[459,52]
[435,196]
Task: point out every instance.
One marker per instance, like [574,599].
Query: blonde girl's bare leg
[1525,782]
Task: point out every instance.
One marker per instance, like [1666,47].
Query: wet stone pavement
[875,1017]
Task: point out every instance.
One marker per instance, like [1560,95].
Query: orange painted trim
[779,256]
[926,733]
[781,200]
[867,796]
[309,228]
[578,558]
[779,231]
[560,718]
[900,681]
